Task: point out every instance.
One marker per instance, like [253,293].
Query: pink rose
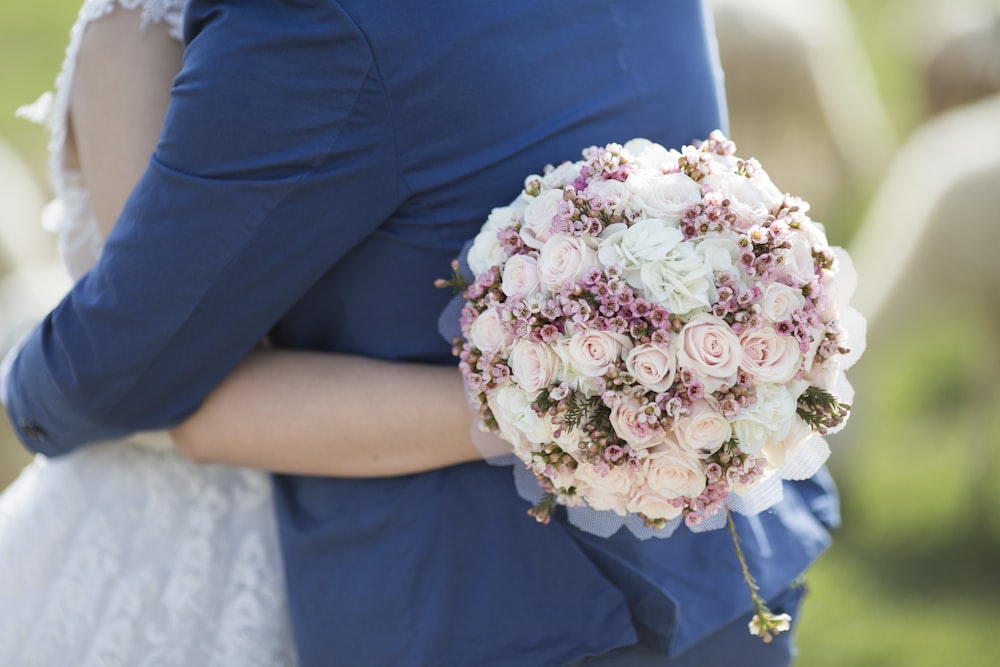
[533,365]
[711,350]
[488,334]
[673,472]
[520,277]
[653,365]
[829,302]
[769,357]
[537,225]
[781,301]
[798,258]
[649,503]
[592,353]
[630,423]
[565,259]
[703,430]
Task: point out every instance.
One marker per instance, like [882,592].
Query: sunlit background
[885,115]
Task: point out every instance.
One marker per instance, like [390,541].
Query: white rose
[533,365]
[538,215]
[769,357]
[564,259]
[703,430]
[609,491]
[629,422]
[751,203]
[649,503]
[711,350]
[488,334]
[648,155]
[648,240]
[673,472]
[610,191]
[520,277]
[562,175]
[486,251]
[767,421]
[680,282]
[780,301]
[511,407]
[661,195]
[653,365]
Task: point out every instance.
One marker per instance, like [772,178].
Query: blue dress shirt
[321,164]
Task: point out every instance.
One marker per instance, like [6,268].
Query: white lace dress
[125,553]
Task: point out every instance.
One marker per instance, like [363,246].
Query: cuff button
[32,430]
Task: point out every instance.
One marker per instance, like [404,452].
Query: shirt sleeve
[276,159]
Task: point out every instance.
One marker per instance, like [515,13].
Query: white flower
[486,251]
[767,421]
[488,334]
[680,282]
[648,240]
[517,420]
[537,225]
[711,350]
[648,155]
[564,259]
[769,357]
[533,365]
[661,195]
[719,252]
[610,191]
[562,175]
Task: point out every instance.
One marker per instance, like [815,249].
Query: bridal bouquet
[654,331]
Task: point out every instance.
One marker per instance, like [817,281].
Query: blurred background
[885,116]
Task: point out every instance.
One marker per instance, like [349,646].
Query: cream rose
[488,334]
[653,365]
[564,259]
[520,277]
[537,225]
[609,491]
[533,365]
[592,353]
[673,472]
[649,503]
[711,350]
[767,421]
[781,301]
[629,422]
[703,430]
[779,452]
[664,196]
[769,357]
[562,175]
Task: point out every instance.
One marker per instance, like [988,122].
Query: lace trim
[69,216]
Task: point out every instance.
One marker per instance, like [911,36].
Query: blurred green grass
[911,579]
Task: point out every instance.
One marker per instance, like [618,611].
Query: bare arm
[326,414]
[284,411]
